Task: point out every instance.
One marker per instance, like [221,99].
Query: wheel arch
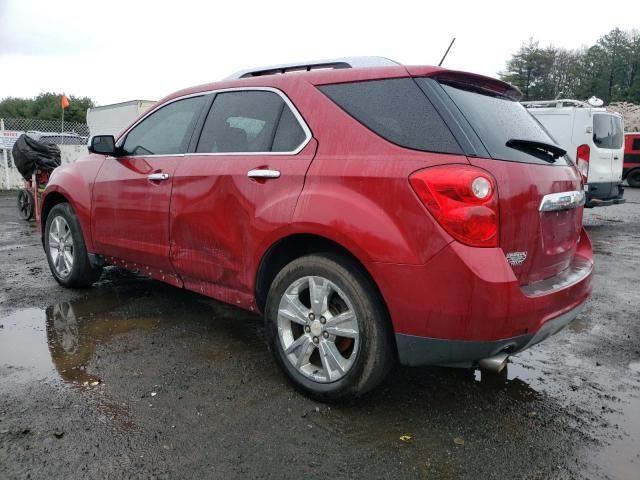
[295,246]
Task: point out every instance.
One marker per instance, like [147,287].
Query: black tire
[26,204]
[376,354]
[633,178]
[82,273]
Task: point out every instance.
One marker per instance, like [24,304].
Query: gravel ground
[133,378]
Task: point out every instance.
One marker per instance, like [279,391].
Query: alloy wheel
[61,248]
[318,329]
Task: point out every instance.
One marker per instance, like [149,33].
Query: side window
[250,121]
[166,131]
[289,135]
[636,144]
[607,131]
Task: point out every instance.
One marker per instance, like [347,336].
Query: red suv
[372,212]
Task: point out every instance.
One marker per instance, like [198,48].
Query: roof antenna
[447,52]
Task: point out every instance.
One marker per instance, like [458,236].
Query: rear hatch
[538,244]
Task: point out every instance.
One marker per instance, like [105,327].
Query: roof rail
[345,62]
[559,103]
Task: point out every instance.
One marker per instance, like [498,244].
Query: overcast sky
[120,50]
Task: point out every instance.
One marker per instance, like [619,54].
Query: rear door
[607,157]
[131,194]
[237,190]
[538,244]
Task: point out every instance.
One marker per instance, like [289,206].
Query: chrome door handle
[263,173]
[155,177]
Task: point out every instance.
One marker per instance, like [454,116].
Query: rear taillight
[464,201]
[582,161]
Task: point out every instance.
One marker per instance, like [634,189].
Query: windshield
[496,120]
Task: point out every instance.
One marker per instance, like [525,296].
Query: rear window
[607,131]
[396,110]
[496,120]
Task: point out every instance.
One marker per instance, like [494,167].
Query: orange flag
[64,101]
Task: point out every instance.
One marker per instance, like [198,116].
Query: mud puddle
[60,344]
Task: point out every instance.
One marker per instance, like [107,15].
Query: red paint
[129,212]
[219,218]
[209,226]
[631,155]
[470,294]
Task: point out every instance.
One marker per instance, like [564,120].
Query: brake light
[464,201]
[582,161]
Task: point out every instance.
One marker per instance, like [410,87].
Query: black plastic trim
[462,131]
[415,351]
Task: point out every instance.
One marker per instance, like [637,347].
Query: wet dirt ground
[136,379]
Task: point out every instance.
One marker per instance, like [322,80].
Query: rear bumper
[466,304]
[604,194]
[455,353]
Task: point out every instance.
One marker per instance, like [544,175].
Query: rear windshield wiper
[544,151]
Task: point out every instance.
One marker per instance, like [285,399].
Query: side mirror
[103,144]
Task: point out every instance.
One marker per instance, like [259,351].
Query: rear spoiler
[489,84]
[480,82]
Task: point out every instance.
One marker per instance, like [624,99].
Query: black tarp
[29,154]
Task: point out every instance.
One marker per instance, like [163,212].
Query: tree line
[46,106]
[608,69]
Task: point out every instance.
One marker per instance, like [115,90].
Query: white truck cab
[594,140]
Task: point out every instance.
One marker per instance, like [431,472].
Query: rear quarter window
[396,110]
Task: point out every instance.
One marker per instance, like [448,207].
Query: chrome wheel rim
[318,329]
[61,248]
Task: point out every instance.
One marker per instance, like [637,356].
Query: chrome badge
[516,258]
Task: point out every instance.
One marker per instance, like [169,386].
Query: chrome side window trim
[152,156]
[554,202]
[287,101]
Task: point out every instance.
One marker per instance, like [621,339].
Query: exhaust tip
[495,363]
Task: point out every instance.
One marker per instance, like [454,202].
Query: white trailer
[113,119]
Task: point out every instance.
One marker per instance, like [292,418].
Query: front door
[132,193]
[237,190]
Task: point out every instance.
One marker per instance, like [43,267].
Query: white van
[593,139]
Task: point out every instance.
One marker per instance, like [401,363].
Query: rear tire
[66,250]
[633,178]
[26,204]
[328,328]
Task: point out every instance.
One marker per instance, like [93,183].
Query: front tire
[328,328]
[66,250]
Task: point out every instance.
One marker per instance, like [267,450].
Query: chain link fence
[49,126]
[72,142]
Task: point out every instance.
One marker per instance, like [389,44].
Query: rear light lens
[582,161]
[464,201]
